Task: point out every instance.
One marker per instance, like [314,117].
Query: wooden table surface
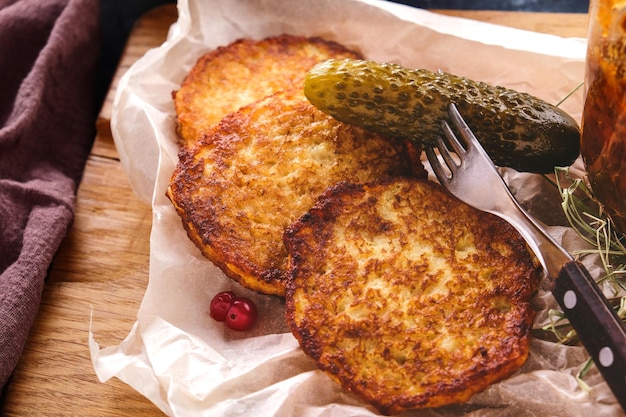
[102,265]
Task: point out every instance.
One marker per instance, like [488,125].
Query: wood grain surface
[101,270]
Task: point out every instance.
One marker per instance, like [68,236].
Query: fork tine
[464,130]
[472,145]
[445,154]
[435,164]
[453,140]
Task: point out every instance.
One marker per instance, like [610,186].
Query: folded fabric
[49,52]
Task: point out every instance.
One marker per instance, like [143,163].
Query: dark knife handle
[596,323]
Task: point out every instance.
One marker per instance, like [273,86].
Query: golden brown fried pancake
[406,296]
[259,170]
[247,70]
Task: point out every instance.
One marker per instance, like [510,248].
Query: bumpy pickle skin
[516,129]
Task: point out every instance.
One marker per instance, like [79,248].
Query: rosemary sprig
[559,327]
[581,375]
[578,87]
[587,218]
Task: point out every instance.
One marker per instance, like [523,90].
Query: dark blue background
[118,17]
[573,6]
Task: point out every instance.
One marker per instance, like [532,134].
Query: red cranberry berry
[220,304]
[242,314]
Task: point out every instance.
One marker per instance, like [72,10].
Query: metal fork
[472,177]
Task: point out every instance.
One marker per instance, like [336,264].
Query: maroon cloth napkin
[48,56]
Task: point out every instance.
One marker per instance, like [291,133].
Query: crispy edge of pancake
[316,294]
[288,115]
[184,179]
[244,71]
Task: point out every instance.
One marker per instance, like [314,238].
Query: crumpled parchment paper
[189,365]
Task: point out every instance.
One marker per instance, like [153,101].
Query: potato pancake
[247,70]
[263,167]
[406,296]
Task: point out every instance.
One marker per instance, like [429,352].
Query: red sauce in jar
[603,145]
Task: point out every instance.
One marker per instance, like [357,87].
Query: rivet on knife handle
[597,325]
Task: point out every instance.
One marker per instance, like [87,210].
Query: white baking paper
[189,365]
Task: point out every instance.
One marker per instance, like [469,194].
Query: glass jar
[603,143]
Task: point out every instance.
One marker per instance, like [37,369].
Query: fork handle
[596,323]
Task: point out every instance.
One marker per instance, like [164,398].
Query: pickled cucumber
[516,129]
